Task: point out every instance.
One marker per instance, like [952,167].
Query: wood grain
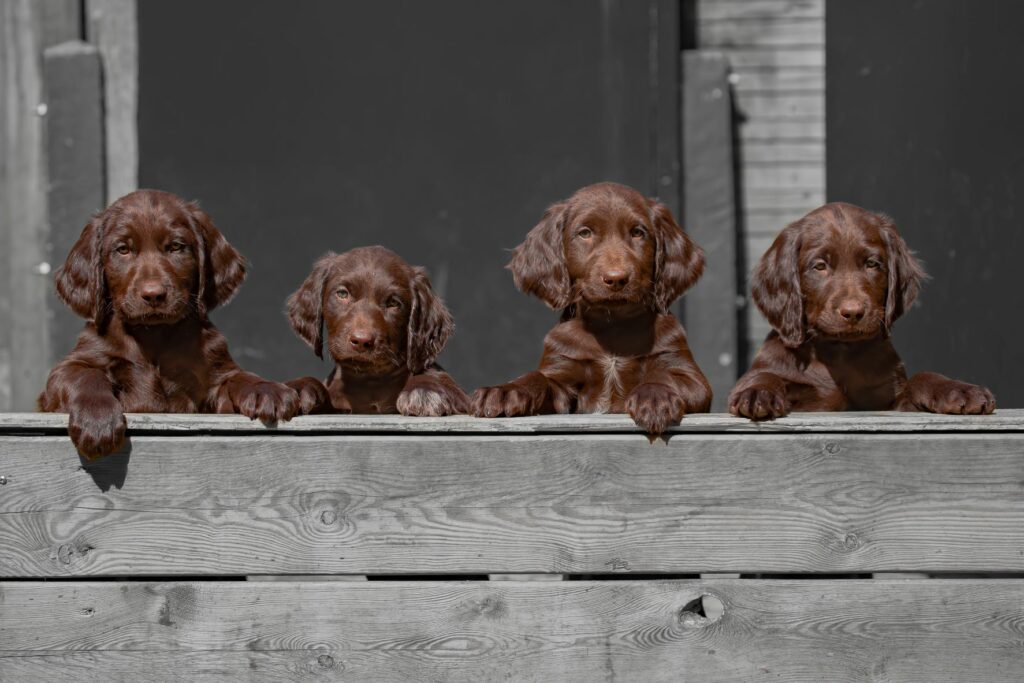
[837,631]
[577,503]
[75,164]
[24,29]
[112,26]
[1004,419]
[777,52]
[764,32]
[709,201]
[760,10]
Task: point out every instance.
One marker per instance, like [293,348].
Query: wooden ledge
[1010,420]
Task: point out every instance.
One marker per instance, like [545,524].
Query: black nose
[852,310]
[363,340]
[615,278]
[153,293]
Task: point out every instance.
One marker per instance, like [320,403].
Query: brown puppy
[146,272]
[385,328]
[613,261]
[832,285]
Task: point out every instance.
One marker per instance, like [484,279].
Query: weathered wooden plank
[60,21]
[769,222]
[805,130]
[74,130]
[664,75]
[709,201]
[23,197]
[113,27]
[772,79]
[808,175]
[1004,419]
[837,631]
[781,152]
[744,57]
[784,106]
[759,10]
[778,32]
[581,503]
[801,199]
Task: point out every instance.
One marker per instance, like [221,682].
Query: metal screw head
[3,480]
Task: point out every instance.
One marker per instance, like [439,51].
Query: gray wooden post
[74,130]
[112,26]
[709,217]
[27,27]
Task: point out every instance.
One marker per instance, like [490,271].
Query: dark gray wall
[925,121]
[439,129]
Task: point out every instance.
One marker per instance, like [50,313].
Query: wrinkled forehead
[601,206]
[845,229]
[365,274]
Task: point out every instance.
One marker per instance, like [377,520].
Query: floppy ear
[80,281]
[221,267]
[776,286]
[538,264]
[306,306]
[678,261]
[904,272]
[430,324]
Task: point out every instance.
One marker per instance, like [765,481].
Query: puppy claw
[655,407]
[758,403]
[313,396]
[506,400]
[267,401]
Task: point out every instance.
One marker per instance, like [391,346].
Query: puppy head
[607,244]
[379,312]
[150,258]
[840,272]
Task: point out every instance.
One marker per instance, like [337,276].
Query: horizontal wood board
[837,631]
[191,424]
[495,503]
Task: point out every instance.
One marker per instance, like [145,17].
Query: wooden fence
[133,568]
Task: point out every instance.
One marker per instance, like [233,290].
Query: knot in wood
[325,661]
[328,517]
[702,611]
[851,541]
[832,448]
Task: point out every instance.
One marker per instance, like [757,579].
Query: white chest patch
[610,366]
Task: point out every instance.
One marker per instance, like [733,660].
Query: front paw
[508,400]
[654,407]
[759,403]
[97,426]
[267,401]
[313,396]
[429,401]
[952,397]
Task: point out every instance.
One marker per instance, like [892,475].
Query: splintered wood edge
[1010,420]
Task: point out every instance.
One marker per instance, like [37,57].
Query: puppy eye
[873,263]
[343,293]
[175,246]
[820,265]
[394,302]
[585,233]
[638,232]
[123,249]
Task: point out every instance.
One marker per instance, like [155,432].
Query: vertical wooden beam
[112,26]
[74,132]
[665,47]
[26,26]
[709,214]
